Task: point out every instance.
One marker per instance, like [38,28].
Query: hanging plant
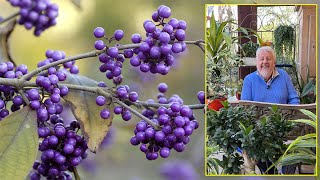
[284,41]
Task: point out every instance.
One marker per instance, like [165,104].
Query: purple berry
[99,45]
[175,107]
[176,47]
[133,96]
[118,35]
[164,12]
[64,91]
[134,141]
[117,110]
[150,133]
[165,152]
[3,67]
[60,131]
[98,32]
[60,159]
[113,52]
[159,136]
[179,147]
[180,35]
[55,98]
[68,149]
[179,121]
[100,101]
[105,114]
[17,100]
[53,141]
[126,115]
[149,27]
[75,161]
[179,132]
[182,25]
[135,61]
[136,38]
[162,87]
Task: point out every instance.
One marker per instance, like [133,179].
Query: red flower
[216,104]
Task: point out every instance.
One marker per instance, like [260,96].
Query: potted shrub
[249,52]
[236,129]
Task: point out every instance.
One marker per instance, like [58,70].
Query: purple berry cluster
[8,93]
[124,93]
[155,53]
[56,55]
[176,122]
[48,105]
[111,60]
[40,14]
[62,149]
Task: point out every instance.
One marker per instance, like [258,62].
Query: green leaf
[308,88]
[305,143]
[295,158]
[244,30]
[225,104]
[305,121]
[258,37]
[248,130]
[18,143]
[87,112]
[274,108]
[300,138]
[242,127]
[309,113]
[263,121]
[227,38]
[5,32]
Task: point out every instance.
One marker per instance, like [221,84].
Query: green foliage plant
[302,149]
[234,127]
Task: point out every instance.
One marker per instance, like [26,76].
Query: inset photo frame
[261,84]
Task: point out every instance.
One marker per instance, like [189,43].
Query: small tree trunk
[249,164]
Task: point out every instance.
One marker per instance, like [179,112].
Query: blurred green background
[73,34]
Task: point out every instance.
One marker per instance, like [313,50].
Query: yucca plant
[299,151]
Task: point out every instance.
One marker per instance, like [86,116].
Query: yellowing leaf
[18,144]
[87,112]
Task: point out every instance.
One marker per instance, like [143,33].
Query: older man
[268,84]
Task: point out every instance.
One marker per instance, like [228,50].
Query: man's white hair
[266,49]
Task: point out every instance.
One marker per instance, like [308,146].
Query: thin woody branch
[12,16]
[92,54]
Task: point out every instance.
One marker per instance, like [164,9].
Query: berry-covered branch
[90,54]
[99,90]
[157,105]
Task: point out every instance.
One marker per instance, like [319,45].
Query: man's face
[265,64]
